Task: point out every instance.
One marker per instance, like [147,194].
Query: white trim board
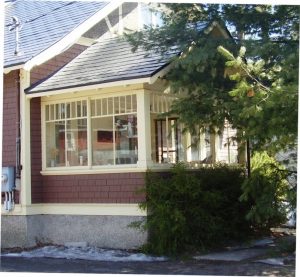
[77,209]
[90,87]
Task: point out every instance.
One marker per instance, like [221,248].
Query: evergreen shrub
[194,209]
[267,190]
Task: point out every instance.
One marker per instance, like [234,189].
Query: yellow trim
[77,209]
[6,70]
[105,170]
[144,131]
[93,93]
[90,87]
[79,171]
[25,193]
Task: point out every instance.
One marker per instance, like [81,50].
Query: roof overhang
[149,80]
[6,70]
[68,40]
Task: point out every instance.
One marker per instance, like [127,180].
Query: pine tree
[250,79]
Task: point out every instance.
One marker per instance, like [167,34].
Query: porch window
[108,126]
[167,138]
[114,130]
[202,148]
[66,134]
[207,148]
[166,132]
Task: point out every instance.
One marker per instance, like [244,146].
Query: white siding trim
[91,87]
[77,209]
[25,193]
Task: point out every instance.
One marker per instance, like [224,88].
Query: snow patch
[272,261]
[86,253]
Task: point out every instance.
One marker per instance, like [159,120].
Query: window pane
[128,104]
[73,109]
[93,103]
[51,112]
[208,145]
[117,105]
[168,141]
[195,148]
[103,141]
[98,107]
[104,106]
[122,104]
[126,139]
[76,142]
[55,144]
[68,110]
[47,113]
[110,106]
[84,108]
[227,150]
[134,109]
[62,110]
[78,109]
[57,115]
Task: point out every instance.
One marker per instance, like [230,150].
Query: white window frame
[87,168]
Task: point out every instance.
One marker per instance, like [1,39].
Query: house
[82,124]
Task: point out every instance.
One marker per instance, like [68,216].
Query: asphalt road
[189,267]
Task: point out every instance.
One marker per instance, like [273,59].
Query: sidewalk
[265,257]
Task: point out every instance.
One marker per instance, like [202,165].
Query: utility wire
[42,15]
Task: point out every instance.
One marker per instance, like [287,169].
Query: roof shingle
[44,22]
[107,61]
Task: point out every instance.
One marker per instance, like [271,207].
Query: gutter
[75,89]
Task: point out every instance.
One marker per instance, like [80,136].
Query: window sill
[93,170]
[104,169]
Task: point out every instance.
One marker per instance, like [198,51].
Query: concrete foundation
[101,231]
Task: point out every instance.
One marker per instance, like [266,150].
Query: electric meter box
[8,179]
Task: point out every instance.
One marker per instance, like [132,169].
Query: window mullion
[66,144]
[89,133]
[167,138]
[114,140]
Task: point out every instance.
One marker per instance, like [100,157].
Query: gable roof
[45,23]
[107,61]
[111,62]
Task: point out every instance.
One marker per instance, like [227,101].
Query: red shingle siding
[102,188]
[38,73]
[41,72]
[36,150]
[10,118]
[10,121]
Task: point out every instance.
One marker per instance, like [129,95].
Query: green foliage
[267,190]
[265,105]
[252,81]
[193,209]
